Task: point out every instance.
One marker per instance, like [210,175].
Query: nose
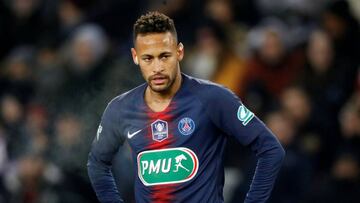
[158,66]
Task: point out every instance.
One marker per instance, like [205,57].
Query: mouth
[158,79]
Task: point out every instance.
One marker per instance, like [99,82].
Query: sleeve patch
[98,132]
[244,115]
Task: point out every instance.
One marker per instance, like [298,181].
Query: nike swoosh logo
[130,135]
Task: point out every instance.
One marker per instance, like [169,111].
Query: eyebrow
[161,54]
[165,53]
[146,55]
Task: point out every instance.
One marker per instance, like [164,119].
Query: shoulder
[207,90]
[129,96]
[126,98]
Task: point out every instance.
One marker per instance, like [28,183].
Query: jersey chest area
[179,125]
[171,146]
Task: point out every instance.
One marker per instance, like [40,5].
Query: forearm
[103,181]
[270,156]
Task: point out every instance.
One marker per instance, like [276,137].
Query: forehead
[155,41]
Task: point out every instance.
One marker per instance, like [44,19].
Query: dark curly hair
[153,22]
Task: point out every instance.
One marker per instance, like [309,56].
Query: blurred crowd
[294,63]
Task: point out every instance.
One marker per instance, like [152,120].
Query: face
[320,51]
[272,48]
[158,56]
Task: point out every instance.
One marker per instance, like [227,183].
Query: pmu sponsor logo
[244,115]
[164,166]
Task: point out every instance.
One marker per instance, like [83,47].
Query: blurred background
[294,63]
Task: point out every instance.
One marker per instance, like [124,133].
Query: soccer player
[177,127]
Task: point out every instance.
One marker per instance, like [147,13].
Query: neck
[165,95]
[158,101]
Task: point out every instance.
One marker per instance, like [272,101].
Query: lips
[158,79]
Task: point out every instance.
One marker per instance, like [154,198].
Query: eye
[165,56]
[147,59]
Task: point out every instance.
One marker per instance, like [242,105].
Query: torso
[177,152]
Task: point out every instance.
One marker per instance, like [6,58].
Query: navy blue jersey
[178,152]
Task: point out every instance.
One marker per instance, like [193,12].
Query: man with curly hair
[177,127]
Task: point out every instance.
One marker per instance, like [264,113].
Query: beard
[160,83]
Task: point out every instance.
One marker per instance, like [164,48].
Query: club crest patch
[186,126]
[159,130]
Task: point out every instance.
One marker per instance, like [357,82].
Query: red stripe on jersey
[165,116]
[161,193]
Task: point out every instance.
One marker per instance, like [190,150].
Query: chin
[159,89]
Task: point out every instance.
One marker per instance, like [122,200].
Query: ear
[134,56]
[180,51]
